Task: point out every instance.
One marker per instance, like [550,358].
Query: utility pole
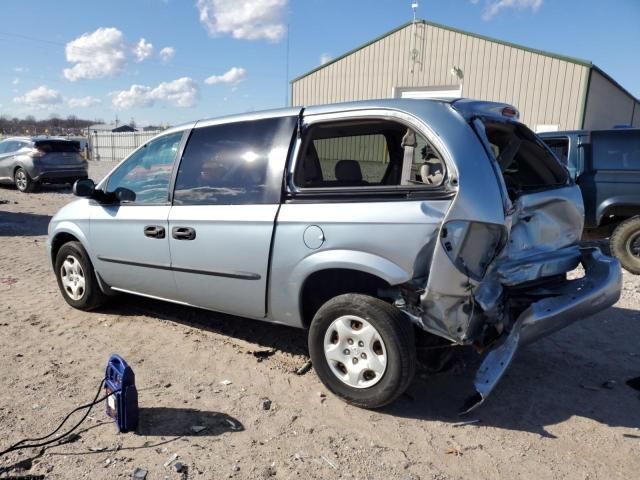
[286,79]
[414,51]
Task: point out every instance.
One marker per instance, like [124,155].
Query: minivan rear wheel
[363,349]
[23,181]
[76,278]
[625,244]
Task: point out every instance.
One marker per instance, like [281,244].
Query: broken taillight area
[37,153]
[472,246]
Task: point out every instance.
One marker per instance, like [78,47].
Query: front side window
[148,171]
[228,164]
[366,153]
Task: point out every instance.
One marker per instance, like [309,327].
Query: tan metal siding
[546,90]
[607,104]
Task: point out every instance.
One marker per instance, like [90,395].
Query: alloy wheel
[21,180]
[72,277]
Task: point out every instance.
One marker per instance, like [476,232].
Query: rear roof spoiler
[469,108]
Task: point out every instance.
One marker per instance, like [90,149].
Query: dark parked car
[606,166]
[28,162]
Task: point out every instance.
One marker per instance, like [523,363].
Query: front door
[130,240]
[225,203]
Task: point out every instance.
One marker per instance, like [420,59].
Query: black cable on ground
[19,445]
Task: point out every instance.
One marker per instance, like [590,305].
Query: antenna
[414,6]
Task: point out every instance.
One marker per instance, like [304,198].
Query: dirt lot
[549,418]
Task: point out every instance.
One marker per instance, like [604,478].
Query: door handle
[183,233]
[154,231]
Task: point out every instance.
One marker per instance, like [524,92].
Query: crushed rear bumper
[574,299]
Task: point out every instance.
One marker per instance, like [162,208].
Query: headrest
[348,171]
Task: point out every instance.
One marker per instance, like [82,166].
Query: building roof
[578,61]
[124,128]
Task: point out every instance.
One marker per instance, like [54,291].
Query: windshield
[524,161]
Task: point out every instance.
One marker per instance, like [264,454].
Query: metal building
[424,60]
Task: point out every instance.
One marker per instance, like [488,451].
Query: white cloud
[83,102]
[244,19]
[167,53]
[142,50]
[40,97]
[325,58]
[96,55]
[15,81]
[494,7]
[182,92]
[233,76]
[136,96]
[20,69]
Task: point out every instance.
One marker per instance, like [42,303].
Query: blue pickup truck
[606,166]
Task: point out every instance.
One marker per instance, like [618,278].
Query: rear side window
[525,163]
[559,147]
[58,146]
[9,146]
[229,164]
[370,152]
[365,153]
[616,150]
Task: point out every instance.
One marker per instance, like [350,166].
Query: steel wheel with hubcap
[355,351]
[76,278]
[363,349]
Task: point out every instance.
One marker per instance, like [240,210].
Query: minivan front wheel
[625,244]
[363,349]
[76,278]
[23,181]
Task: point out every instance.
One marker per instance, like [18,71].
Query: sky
[173,61]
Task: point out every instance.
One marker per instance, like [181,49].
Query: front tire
[363,350]
[625,244]
[76,278]
[23,181]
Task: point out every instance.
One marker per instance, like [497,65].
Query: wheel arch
[66,232]
[622,207]
[334,272]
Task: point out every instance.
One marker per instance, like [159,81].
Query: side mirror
[84,187]
[124,195]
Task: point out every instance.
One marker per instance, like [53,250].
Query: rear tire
[23,181]
[76,278]
[625,244]
[363,350]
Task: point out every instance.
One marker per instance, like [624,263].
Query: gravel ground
[562,411]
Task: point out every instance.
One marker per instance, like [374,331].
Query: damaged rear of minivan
[498,286]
